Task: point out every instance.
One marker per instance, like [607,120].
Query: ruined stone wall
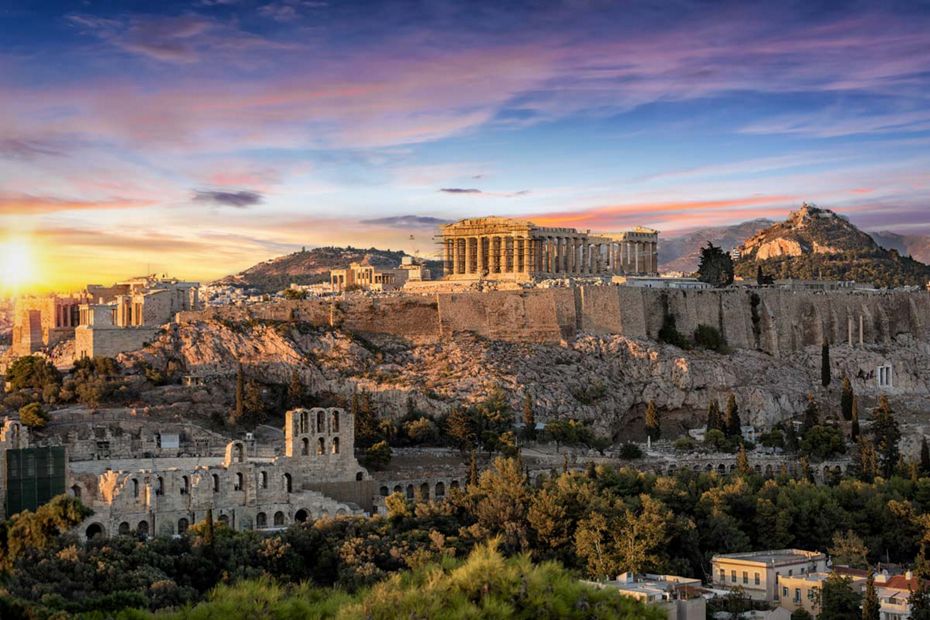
[777,321]
[110,342]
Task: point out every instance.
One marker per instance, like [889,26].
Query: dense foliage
[874,265]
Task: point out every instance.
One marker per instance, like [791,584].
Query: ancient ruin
[498,248]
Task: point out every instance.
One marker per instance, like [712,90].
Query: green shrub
[630,451]
[33,416]
[708,337]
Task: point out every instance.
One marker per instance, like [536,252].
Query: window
[320,446]
[160,486]
[287,483]
[239,482]
[797,595]
[790,571]
[319,422]
[784,591]
[216,483]
[335,445]
[723,575]
[135,488]
[182,525]
[305,446]
[279,519]
[810,594]
[745,577]
[185,485]
[261,520]
[884,376]
[264,479]
[335,428]
[757,578]
[733,576]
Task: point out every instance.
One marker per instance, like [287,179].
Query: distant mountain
[915,246]
[681,253]
[817,243]
[312,267]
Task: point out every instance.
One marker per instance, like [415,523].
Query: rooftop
[774,557]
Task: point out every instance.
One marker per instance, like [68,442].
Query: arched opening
[135,488]
[320,423]
[124,529]
[440,490]
[335,445]
[305,446]
[359,476]
[183,524]
[264,479]
[76,491]
[721,468]
[383,491]
[288,485]
[424,490]
[240,481]
[278,519]
[261,520]
[94,530]
[238,452]
[335,423]
[398,488]
[185,485]
[224,520]
[341,512]
[301,515]
[410,492]
[732,468]
[143,528]
[159,486]
[216,483]
[454,484]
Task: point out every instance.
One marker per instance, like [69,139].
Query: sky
[199,138]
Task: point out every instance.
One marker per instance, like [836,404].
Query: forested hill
[312,266]
[817,243]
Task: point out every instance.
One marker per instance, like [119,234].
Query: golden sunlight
[18,266]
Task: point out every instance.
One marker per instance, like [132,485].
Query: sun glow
[18,266]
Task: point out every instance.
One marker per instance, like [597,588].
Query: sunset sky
[200,138]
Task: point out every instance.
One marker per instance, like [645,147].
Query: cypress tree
[742,461]
[811,415]
[846,399]
[713,416]
[886,434]
[295,391]
[529,417]
[924,457]
[733,425]
[825,363]
[854,427]
[473,468]
[870,605]
[653,429]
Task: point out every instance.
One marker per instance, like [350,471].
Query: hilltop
[818,243]
[312,267]
[682,253]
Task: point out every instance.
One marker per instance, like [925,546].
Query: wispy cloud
[240,200]
[24,204]
[474,191]
[408,221]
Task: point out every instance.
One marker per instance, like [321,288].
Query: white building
[757,572]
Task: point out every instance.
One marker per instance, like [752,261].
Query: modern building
[498,248]
[663,282]
[757,573]
[894,594]
[804,591]
[682,598]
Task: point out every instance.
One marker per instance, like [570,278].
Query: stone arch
[359,476]
[424,490]
[135,487]
[224,520]
[383,491]
[124,528]
[185,485]
[320,446]
[183,524]
[708,467]
[95,530]
[410,491]
[757,468]
[76,491]
[143,528]
[341,512]
[288,483]
[320,422]
[732,467]
[261,520]
[301,515]
[279,519]
[335,445]
[440,490]
[263,478]
[235,453]
[305,446]
[240,481]
[335,422]
[398,488]
[216,483]
[159,486]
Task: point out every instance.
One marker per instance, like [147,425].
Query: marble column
[468,254]
[637,252]
[447,257]
[482,257]
[527,255]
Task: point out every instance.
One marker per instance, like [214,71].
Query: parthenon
[499,248]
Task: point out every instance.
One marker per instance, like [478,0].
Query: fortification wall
[778,321]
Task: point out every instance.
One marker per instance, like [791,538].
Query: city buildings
[758,572]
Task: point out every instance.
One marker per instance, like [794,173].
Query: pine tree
[854,416]
[919,599]
[924,458]
[846,399]
[886,434]
[473,468]
[733,427]
[713,417]
[825,363]
[529,417]
[870,605]
[865,461]
[653,430]
[742,461]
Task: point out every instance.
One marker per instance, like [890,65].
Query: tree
[653,429]
[34,531]
[33,416]
[295,391]
[461,428]
[924,457]
[849,550]
[801,614]
[254,402]
[865,459]
[742,461]
[239,411]
[846,399]
[838,600]
[762,279]
[886,435]
[378,456]
[714,421]
[501,503]
[854,416]
[473,468]
[870,604]
[733,426]
[529,417]
[32,371]
[811,415]
[919,600]
[823,442]
[716,266]
[825,363]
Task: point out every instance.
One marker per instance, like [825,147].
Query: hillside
[682,252]
[312,267]
[817,243]
[915,246]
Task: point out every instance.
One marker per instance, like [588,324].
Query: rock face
[807,230]
[606,379]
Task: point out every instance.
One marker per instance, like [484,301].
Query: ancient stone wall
[110,342]
[777,321]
